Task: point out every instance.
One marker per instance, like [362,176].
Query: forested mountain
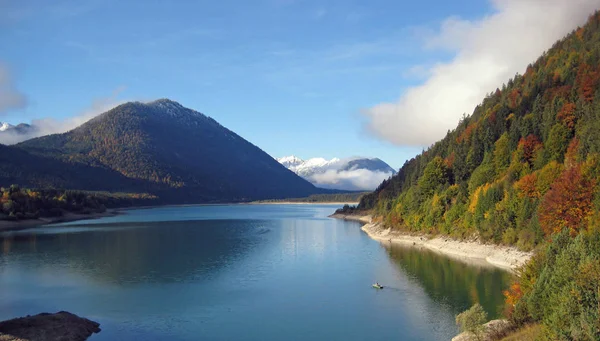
[178,154]
[17,166]
[523,165]
[523,169]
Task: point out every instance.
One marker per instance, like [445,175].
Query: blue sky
[291,76]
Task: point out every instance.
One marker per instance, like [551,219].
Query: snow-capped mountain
[10,134]
[347,174]
[290,161]
[5,126]
[19,128]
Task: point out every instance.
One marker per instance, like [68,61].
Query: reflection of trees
[453,282]
[140,252]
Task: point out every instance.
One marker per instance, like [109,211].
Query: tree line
[18,203]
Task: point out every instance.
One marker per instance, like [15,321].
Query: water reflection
[282,273]
[138,252]
[453,283]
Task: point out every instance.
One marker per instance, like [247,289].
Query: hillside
[17,166]
[506,169]
[523,169]
[176,153]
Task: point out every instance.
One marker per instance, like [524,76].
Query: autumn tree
[512,296]
[566,115]
[530,145]
[527,186]
[567,203]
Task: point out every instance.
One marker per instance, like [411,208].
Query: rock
[61,326]
[494,330]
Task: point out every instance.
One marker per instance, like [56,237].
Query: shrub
[472,320]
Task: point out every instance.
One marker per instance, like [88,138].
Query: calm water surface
[240,272]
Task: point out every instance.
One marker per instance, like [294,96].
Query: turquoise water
[239,272]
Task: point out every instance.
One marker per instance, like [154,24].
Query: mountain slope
[347,174]
[525,164]
[17,166]
[185,155]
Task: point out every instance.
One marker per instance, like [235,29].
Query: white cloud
[49,125]
[488,52]
[10,97]
[356,179]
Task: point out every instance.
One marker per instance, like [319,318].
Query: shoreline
[504,257]
[300,203]
[6,226]
[235,203]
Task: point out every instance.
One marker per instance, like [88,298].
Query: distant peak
[291,158]
[5,126]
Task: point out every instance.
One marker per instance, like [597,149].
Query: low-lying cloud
[10,97]
[488,52]
[49,125]
[357,179]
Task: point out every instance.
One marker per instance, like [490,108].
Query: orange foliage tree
[587,78]
[566,115]
[567,203]
[530,144]
[527,186]
[512,98]
[512,296]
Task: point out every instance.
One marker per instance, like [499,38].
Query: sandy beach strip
[505,257]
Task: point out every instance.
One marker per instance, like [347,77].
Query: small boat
[377,286]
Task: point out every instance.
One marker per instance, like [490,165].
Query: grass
[527,333]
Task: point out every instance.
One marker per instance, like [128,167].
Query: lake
[239,272]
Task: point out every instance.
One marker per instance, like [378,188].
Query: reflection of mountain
[307,237]
[142,252]
[455,283]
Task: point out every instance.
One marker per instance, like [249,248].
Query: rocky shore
[493,330]
[61,326]
[504,257]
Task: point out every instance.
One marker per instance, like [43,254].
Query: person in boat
[377,284]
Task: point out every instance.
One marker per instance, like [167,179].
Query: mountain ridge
[175,152]
[355,173]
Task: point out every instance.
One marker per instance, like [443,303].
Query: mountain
[348,174]
[21,128]
[523,165]
[166,149]
[5,126]
[17,166]
[290,161]
[11,134]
